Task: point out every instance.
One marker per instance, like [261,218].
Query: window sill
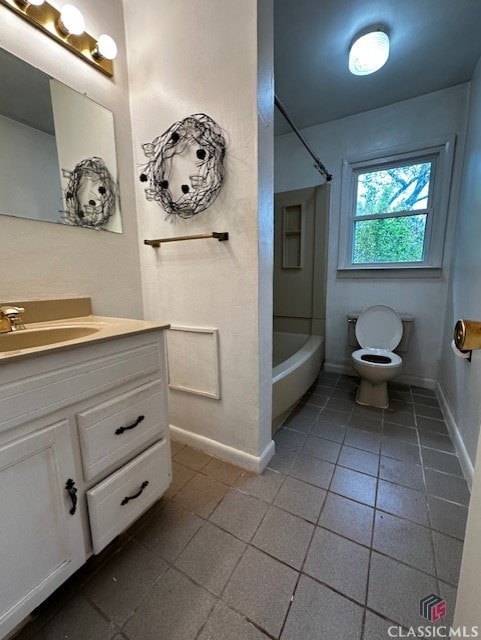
[389,273]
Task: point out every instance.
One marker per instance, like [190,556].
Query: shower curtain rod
[317,163]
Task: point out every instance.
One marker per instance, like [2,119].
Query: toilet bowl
[379,330]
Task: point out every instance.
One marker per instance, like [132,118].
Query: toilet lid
[379,327]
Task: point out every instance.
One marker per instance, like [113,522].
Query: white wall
[460,380]
[41,260]
[28,157]
[188,57]
[412,121]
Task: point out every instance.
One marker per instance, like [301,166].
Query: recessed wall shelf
[293,237]
[221,236]
[46,18]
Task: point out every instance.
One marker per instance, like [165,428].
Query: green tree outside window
[386,238]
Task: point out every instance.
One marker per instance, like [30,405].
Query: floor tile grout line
[249,544]
[300,572]
[428,507]
[374,517]
[372,535]
[385,618]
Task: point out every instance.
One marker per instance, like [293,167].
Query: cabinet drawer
[120,499]
[122,426]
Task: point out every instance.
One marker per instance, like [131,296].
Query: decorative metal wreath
[200,138]
[90,195]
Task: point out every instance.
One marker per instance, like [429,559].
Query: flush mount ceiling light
[67,28]
[369,53]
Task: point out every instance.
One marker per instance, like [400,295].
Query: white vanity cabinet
[84,451]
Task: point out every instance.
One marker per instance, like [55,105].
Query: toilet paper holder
[467,335]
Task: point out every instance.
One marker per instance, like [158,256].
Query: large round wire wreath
[200,136]
[93,209]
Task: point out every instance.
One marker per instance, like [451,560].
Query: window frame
[440,152]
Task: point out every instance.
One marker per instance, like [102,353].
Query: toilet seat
[379,327]
[379,354]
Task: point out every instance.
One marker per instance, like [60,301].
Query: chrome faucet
[11,319]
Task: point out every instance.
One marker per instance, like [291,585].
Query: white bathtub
[297,359]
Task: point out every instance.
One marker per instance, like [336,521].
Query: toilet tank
[407,321]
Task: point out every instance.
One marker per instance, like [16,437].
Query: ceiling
[434,44]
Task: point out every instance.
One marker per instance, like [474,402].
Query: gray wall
[460,380]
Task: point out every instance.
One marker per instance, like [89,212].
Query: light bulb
[369,53]
[71,20]
[105,48]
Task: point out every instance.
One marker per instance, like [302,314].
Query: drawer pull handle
[72,492]
[128,498]
[120,430]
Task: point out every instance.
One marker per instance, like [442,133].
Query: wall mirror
[57,151]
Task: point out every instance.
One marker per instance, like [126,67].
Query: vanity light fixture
[71,21]
[369,52]
[25,3]
[67,27]
[105,49]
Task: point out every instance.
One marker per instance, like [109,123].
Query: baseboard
[464,459]
[337,367]
[417,381]
[223,451]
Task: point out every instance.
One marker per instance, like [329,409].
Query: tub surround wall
[300,293]
[460,381]
[430,116]
[216,58]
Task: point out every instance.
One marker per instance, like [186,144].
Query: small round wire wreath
[198,133]
[96,211]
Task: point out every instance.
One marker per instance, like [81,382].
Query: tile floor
[360,514]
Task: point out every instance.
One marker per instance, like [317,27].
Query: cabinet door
[41,542]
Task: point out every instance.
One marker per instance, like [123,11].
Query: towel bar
[222,236]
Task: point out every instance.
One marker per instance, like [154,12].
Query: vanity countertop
[99,328]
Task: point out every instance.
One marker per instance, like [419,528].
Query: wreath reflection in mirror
[185,170]
[90,195]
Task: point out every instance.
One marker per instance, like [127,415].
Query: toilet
[378,330]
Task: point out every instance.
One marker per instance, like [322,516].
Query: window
[394,209]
